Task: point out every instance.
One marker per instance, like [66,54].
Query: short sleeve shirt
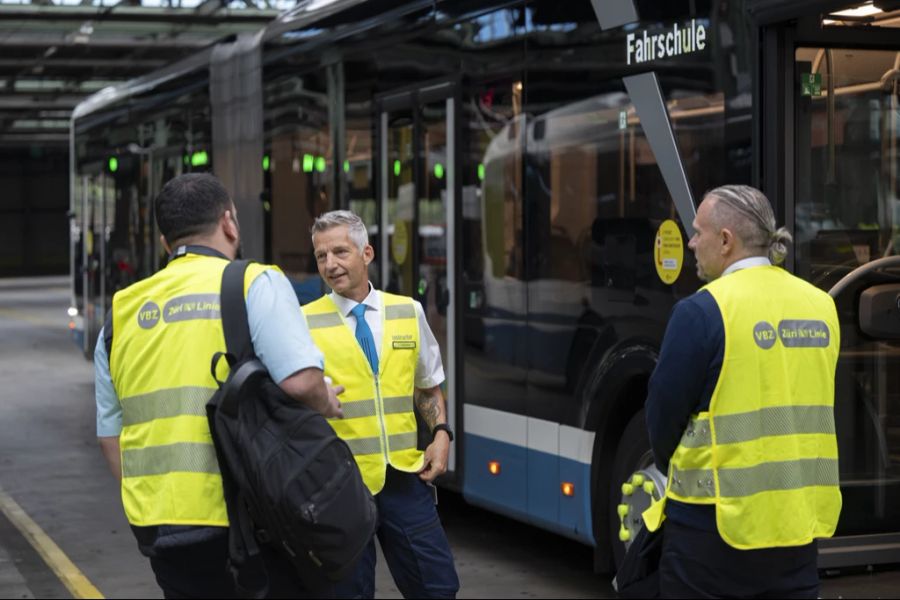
[278,331]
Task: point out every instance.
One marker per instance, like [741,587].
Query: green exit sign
[811,84]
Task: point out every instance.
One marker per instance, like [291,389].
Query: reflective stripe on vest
[366,408]
[772,420]
[167,328]
[379,424]
[184,457]
[766,452]
[735,483]
[163,404]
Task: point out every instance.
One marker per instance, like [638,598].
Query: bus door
[417,200]
[162,165]
[841,198]
[157,174]
[146,235]
[77,253]
[93,256]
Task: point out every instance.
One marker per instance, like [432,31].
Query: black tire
[632,454]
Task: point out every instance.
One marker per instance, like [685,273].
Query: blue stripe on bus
[528,486]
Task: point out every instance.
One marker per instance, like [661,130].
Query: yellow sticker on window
[668,251]
[400,242]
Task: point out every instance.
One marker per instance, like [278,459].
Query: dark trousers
[413,542]
[200,570]
[699,564]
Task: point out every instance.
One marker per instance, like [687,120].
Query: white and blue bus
[529,170]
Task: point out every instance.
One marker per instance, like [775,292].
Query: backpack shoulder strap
[245,562]
[234,311]
[108,334]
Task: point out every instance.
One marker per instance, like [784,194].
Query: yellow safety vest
[166,329]
[765,454]
[379,424]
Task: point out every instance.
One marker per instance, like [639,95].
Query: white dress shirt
[746,263]
[429,368]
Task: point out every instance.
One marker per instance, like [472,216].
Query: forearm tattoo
[431,407]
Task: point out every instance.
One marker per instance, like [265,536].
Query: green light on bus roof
[397,168]
[266,162]
[113,164]
[346,166]
[308,162]
[199,159]
[320,164]
[439,170]
[480,172]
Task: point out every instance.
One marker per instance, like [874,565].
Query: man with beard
[153,380]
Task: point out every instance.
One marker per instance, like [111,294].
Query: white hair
[747,212]
[337,218]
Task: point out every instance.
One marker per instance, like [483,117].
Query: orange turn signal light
[568,489]
[494,467]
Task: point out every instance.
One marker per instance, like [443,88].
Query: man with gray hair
[379,347]
[740,412]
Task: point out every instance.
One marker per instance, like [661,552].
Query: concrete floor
[50,465]
[49,461]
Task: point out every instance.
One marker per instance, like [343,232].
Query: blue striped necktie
[364,336]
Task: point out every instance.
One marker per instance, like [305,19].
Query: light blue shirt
[278,331]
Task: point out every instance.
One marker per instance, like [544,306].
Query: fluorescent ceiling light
[317,4]
[863,10]
[41,124]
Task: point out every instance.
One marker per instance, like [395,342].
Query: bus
[529,171]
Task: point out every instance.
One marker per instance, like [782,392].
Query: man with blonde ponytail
[740,412]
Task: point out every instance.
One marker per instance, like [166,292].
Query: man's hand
[334,410]
[436,457]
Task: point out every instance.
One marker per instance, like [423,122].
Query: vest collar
[196,249]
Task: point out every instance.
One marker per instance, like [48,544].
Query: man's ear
[229,227]
[165,244]
[368,254]
[728,241]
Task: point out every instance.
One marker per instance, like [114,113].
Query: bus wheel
[630,468]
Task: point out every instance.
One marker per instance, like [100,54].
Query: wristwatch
[442,427]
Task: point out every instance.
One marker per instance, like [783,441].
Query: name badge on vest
[403,342]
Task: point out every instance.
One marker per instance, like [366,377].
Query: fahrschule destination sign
[676,40]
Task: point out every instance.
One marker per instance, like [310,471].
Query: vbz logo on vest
[149,315]
[794,333]
[764,335]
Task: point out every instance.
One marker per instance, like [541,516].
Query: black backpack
[289,481]
[638,577]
